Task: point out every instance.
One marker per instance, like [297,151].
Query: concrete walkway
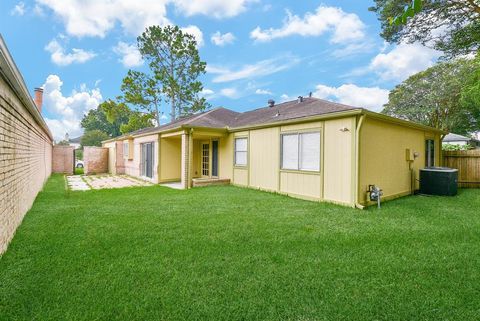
[87,182]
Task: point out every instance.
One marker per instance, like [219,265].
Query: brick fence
[63,159]
[25,149]
[95,160]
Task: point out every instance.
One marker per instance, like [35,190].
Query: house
[308,148]
[455,139]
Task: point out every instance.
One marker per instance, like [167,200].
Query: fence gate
[468,164]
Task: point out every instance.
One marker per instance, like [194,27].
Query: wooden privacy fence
[468,164]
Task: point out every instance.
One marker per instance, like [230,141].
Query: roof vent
[300,99]
[271,103]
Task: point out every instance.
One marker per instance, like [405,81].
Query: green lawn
[227,253]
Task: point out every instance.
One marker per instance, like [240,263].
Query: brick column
[185,161]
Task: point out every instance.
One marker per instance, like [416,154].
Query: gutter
[357,162]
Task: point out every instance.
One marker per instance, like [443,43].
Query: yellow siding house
[307,148]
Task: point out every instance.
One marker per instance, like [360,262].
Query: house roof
[457,138]
[222,118]
[290,110]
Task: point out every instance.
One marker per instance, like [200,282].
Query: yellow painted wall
[383,157]
[111,157]
[225,157]
[264,158]
[170,159]
[339,160]
[196,165]
[240,176]
[301,184]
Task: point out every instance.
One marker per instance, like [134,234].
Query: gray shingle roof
[455,138]
[223,118]
[290,110]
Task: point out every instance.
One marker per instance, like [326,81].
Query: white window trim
[299,157]
[241,151]
[126,151]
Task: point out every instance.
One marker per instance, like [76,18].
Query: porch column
[186,160]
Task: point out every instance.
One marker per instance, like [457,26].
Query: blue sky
[255,50]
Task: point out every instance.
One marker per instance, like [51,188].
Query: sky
[255,50]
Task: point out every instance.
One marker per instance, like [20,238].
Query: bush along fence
[468,164]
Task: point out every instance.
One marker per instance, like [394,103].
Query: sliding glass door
[146,166]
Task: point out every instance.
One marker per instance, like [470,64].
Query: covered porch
[191,158]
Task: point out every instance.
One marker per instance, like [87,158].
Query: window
[126,153]
[429,153]
[301,151]
[241,147]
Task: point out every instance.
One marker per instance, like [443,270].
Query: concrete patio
[88,182]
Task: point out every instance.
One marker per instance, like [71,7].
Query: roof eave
[340,114]
[402,122]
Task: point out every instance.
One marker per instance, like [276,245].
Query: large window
[241,147]
[429,153]
[301,151]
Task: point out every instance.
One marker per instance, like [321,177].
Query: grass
[227,253]
[78,170]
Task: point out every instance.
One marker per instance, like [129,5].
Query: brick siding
[63,159]
[95,160]
[25,161]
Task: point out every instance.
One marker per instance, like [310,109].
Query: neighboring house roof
[75,140]
[457,138]
[222,118]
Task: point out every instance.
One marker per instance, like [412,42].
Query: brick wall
[25,156]
[95,160]
[63,159]
[120,162]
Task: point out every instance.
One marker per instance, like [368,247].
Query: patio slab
[87,182]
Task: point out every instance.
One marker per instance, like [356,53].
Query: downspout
[357,161]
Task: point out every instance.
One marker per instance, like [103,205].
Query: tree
[433,97]
[115,118]
[137,121]
[175,64]
[143,91]
[451,26]
[93,138]
[96,119]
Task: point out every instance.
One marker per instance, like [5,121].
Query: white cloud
[263,92]
[129,54]
[285,97]
[215,8]
[196,33]
[61,58]
[229,93]
[96,18]
[259,69]
[222,39]
[18,10]
[67,111]
[207,93]
[345,27]
[366,97]
[401,62]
